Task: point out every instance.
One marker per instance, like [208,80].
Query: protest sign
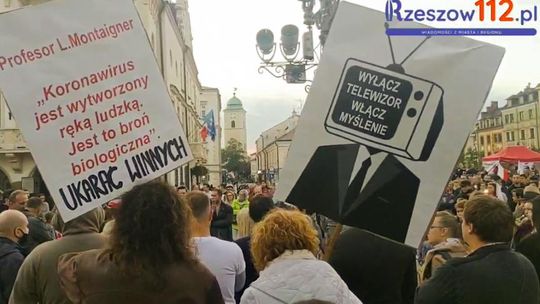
[384,122]
[83,85]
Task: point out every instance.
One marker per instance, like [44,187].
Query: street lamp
[293,68]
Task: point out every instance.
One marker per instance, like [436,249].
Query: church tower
[234,121]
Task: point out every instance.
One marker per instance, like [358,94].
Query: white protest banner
[84,87]
[384,122]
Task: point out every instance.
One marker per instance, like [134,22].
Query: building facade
[211,101]
[489,130]
[253,165]
[234,122]
[169,33]
[517,123]
[17,167]
[521,120]
[273,147]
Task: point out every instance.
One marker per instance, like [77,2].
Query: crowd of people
[236,244]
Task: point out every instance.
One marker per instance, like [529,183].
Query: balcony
[12,141]
[199,151]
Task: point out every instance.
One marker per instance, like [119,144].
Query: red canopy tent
[514,154]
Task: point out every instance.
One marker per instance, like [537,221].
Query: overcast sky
[224,48]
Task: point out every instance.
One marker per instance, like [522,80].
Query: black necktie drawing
[356,186]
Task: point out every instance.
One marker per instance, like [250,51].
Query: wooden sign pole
[331,242]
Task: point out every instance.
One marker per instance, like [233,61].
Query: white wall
[239,131]
[211,100]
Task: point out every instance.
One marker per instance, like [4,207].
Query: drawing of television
[386,109]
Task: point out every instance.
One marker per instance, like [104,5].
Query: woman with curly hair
[284,246]
[149,258]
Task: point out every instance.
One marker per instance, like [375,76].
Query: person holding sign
[149,259]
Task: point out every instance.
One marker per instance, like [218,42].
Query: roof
[288,136]
[528,90]
[234,104]
[514,154]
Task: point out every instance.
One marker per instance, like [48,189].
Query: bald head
[13,225]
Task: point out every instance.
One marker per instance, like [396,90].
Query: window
[500,137]
[233,124]
[488,139]
[506,118]
[481,140]
[508,136]
[532,133]
[521,116]
[511,118]
[513,136]
[522,133]
[530,114]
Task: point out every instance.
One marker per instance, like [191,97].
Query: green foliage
[235,159]
[471,158]
[199,171]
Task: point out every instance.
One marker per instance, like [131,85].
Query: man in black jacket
[492,273]
[39,231]
[222,217]
[13,229]
[376,269]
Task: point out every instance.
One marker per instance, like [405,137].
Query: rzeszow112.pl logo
[494,12]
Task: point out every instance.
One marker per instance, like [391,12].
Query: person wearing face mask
[13,233]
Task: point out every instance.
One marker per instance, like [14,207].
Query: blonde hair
[460,203]
[279,231]
[245,223]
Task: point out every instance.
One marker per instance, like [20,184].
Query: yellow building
[489,131]
[521,119]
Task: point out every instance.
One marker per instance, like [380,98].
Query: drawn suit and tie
[363,187]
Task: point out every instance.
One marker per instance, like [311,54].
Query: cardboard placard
[384,123]
[83,84]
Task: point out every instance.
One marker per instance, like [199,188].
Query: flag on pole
[209,125]
[204,133]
